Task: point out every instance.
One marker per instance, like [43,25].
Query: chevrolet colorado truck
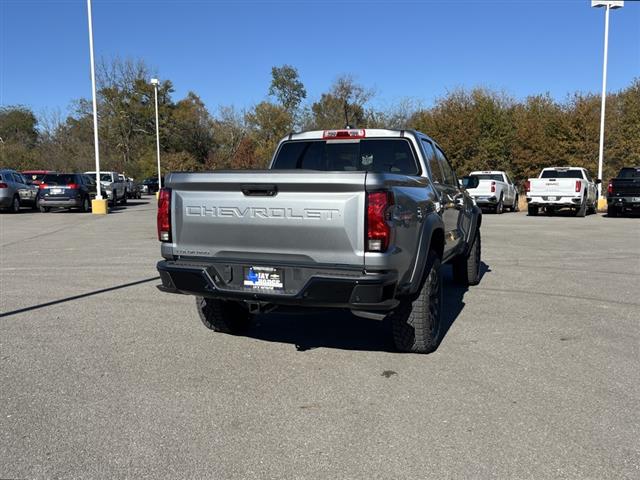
[495,190]
[623,192]
[351,219]
[562,187]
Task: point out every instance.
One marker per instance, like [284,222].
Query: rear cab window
[570,173]
[496,177]
[381,155]
[629,173]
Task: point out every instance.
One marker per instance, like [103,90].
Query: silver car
[16,191]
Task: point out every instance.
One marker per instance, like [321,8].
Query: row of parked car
[44,190]
[558,188]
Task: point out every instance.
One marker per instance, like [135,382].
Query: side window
[449,175]
[9,177]
[434,166]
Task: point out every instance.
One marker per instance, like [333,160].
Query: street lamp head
[612,4]
[154,81]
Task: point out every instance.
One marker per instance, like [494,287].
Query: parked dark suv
[68,190]
[150,185]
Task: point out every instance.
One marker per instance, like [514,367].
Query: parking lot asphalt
[103,376]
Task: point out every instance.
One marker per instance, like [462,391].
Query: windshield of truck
[629,173]
[372,155]
[561,174]
[496,177]
[59,179]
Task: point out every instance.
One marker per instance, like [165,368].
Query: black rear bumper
[307,287]
[624,202]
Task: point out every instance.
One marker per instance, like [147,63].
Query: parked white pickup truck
[562,187]
[495,191]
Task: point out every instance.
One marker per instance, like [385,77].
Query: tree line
[479,129]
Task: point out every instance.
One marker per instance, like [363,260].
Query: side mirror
[598,181]
[469,182]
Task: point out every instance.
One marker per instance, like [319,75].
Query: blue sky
[224,50]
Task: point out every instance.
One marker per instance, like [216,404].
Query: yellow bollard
[99,207]
[602,204]
[157,195]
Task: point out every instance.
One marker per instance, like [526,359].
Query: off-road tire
[532,210]
[466,268]
[223,316]
[416,321]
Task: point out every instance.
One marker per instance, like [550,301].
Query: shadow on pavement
[342,330]
[77,297]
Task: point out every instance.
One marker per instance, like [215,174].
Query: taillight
[343,134]
[493,187]
[42,186]
[164,215]
[378,229]
[578,185]
[73,186]
[527,186]
[3,185]
[610,188]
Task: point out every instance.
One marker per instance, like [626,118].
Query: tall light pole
[98,206]
[155,82]
[608,5]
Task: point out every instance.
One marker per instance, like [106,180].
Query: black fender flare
[474,225]
[433,224]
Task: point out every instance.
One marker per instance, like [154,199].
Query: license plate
[553,199]
[56,191]
[265,278]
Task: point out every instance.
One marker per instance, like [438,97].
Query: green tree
[287,87]
[343,105]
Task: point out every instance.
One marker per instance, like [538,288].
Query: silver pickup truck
[352,219]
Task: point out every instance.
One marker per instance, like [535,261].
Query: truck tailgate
[483,188]
[558,187]
[296,217]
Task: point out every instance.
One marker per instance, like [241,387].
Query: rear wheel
[223,316]
[466,268]
[612,211]
[500,206]
[124,198]
[15,204]
[416,324]
[86,205]
[516,206]
[582,210]
[44,209]
[532,210]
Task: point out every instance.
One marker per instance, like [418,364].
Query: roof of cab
[368,133]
